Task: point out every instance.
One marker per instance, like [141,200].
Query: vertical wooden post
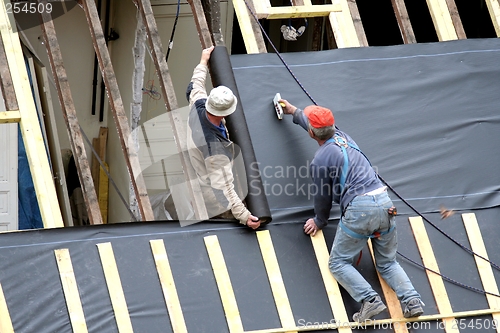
[118,110]
[69,113]
[29,124]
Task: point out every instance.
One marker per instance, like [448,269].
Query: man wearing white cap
[210,149]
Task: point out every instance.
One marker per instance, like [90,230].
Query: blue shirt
[326,168]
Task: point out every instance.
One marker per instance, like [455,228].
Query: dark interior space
[381,27]
[476,18]
[421,21]
[379,22]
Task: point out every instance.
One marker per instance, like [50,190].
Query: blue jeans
[365,215]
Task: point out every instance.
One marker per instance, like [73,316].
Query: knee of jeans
[384,266]
[335,264]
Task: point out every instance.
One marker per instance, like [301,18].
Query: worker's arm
[196,89]
[219,169]
[322,201]
[323,186]
[298,115]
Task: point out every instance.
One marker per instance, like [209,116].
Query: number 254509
[28,8]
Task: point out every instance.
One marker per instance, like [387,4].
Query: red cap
[319,116]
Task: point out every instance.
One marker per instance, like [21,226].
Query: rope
[380,177]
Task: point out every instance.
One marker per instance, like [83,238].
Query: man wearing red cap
[342,174]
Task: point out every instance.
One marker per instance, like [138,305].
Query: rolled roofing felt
[222,74]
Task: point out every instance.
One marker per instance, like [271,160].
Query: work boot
[369,309]
[414,308]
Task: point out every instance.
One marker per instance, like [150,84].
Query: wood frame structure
[69,113]
[21,105]
[346,22]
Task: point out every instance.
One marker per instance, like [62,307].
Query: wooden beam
[494,9]
[430,319]
[95,166]
[404,22]
[5,321]
[10,117]
[115,289]
[299,11]
[331,285]
[436,282]
[70,288]
[344,30]
[54,144]
[275,279]
[118,110]
[168,93]
[391,299]
[103,193]
[484,268]
[356,20]
[250,30]
[168,286]
[7,86]
[70,117]
[442,20]
[201,23]
[224,284]
[29,125]
[455,18]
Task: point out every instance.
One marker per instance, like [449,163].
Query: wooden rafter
[404,22]
[8,93]
[442,19]
[117,108]
[252,35]
[346,26]
[304,11]
[29,124]
[455,19]
[201,23]
[69,113]
[170,100]
[494,9]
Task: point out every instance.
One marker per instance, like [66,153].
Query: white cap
[221,101]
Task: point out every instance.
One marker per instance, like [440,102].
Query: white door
[8,175]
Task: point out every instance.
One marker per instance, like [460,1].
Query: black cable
[107,173]
[437,228]
[171,41]
[380,177]
[460,284]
